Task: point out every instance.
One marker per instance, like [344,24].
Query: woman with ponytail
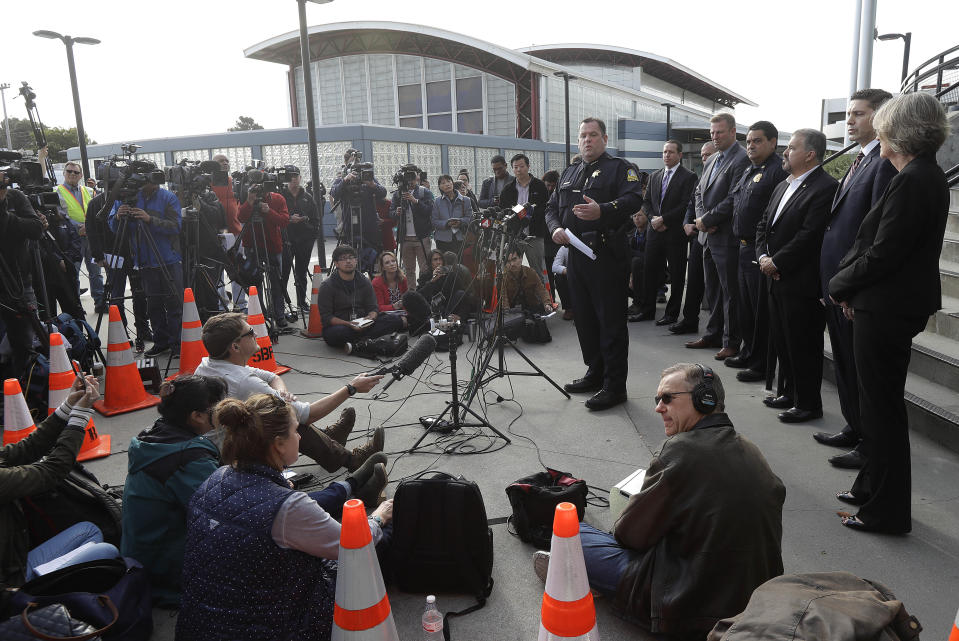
[259,555]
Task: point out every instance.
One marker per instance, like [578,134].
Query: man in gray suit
[714,214]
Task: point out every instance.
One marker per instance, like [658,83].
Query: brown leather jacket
[708,525]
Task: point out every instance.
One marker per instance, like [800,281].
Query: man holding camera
[412,207]
[153,223]
[74,202]
[265,215]
[357,193]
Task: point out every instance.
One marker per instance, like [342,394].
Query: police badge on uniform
[757,178]
[631,175]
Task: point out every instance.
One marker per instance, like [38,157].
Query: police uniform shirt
[609,181]
[751,195]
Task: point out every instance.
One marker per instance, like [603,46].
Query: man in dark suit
[665,205]
[788,240]
[859,190]
[714,218]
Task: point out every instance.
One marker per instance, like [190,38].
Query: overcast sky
[175,67]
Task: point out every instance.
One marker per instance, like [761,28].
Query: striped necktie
[666,177]
[852,170]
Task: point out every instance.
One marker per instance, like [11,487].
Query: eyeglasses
[668,397]
[239,338]
[70,171]
[348,257]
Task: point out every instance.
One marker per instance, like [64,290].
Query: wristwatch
[378,519]
[350,389]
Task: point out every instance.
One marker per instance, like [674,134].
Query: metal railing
[839,153]
[938,67]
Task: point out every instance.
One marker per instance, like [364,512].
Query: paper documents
[580,245]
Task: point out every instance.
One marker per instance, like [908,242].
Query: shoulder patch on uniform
[631,175]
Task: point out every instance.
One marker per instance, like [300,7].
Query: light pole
[311,126]
[566,78]
[906,44]
[69,42]
[669,123]
[6,121]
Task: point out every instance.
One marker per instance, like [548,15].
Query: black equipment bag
[535,330]
[389,346]
[441,540]
[534,499]
[77,497]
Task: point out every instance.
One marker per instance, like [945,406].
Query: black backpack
[441,540]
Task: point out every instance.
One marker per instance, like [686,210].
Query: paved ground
[922,568]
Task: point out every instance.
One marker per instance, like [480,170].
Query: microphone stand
[456,406]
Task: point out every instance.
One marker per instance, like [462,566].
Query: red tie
[855,166]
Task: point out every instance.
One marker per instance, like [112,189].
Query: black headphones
[704,394]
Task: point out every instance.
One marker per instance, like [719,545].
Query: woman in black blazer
[888,284]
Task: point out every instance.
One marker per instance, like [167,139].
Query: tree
[59,139]
[21,134]
[245,123]
[838,167]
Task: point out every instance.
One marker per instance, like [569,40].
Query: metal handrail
[946,65]
[912,78]
[842,151]
[952,176]
[946,90]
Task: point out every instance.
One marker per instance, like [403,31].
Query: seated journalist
[262,555]
[705,529]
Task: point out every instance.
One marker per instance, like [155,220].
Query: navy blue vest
[237,583]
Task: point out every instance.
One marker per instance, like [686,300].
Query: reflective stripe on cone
[17,422]
[264,358]
[124,387]
[192,350]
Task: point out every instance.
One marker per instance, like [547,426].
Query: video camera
[128,176]
[192,178]
[27,175]
[405,177]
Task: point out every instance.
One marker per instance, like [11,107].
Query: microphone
[410,361]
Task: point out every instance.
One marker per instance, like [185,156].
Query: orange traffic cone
[568,611]
[124,387]
[362,609]
[263,359]
[954,635]
[61,374]
[315,327]
[191,342]
[17,422]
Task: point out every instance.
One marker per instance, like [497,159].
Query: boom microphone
[410,361]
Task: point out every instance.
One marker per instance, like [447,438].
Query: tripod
[499,342]
[456,406]
[197,269]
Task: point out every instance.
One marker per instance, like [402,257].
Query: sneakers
[541,564]
[348,348]
[374,445]
[156,350]
[340,430]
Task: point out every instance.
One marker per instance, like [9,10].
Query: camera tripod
[197,269]
[457,408]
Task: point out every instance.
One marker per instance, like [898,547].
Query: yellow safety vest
[75,209]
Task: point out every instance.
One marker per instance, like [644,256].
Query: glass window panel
[469,93]
[429,159]
[157,157]
[438,97]
[191,154]
[557,161]
[411,100]
[483,165]
[416,122]
[470,122]
[462,158]
[388,157]
[536,166]
[239,157]
[441,123]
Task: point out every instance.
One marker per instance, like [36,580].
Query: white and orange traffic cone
[264,358]
[17,422]
[61,374]
[124,387]
[954,635]
[192,350]
[568,611]
[362,609]
[315,327]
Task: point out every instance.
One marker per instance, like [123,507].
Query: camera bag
[535,330]
[534,499]
[441,539]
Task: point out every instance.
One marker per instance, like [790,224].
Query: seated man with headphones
[705,529]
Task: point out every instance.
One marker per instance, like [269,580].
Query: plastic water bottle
[432,621]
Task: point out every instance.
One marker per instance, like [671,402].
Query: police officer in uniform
[750,197]
[594,200]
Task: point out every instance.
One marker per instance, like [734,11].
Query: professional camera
[191,178]
[405,177]
[128,176]
[26,174]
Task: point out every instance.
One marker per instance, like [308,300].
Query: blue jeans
[67,541]
[332,497]
[164,302]
[606,559]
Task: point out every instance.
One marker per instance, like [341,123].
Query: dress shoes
[851,460]
[605,399]
[567,314]
[739,361]
[683,328]
[703,343]
[853,522]
[642,316]
[778,402]
[796,415]
[840,439]
[632,309]
[584,384]
[665,320]
[724,353]
[850,498]
[749,375]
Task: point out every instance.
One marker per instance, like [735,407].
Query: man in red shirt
[231,208]
[265,215]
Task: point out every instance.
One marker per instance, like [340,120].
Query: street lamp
[69,42]
[6,121]
[907,42]
[566,78]
[311,126]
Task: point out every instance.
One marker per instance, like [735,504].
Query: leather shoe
[796,415]
[851,460]
[567,314]
[702,343]
[750,375]
[739,361]
[850,498]
[683,328]
[584,384]
[642,316]
[778,402]
[724,353]
[665,320]
[853,522]
[839,439]
[605,399]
